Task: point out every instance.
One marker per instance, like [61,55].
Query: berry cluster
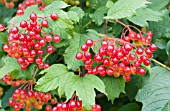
[118,57]
[71,106]
[26,41]
[27,3]
[2,27]
[23,99]
[11,81]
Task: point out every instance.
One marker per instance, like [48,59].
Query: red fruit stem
[162,65]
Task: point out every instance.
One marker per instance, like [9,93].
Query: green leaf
[97,16]
[84,87]
[130,107]
[79,11]
[62,43]
[56,76]
[73,16]
[56,5]
[167,106]
[24,74]
[161,43]
[168,48]
[145,14]
[3,38]
[71,51]
[161,28]
[114,86]
[109,4]
[156,93]
[11,64]
[158,4]
[48,1]
[125,8]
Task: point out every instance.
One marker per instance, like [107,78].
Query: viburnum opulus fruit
[117,57]
[25,42]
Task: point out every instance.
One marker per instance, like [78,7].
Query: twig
[162,65]
[105,27]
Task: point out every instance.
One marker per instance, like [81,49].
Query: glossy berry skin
[89,42]
[11,102]
[54,16]
[127,47]
[23,24]
[141,71]
[84,47]
[139,51]
[20,12]
[56,38]
[44,23]
[79,56]
[153,47]
[50,49]
[33,16]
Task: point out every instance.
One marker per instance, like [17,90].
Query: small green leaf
[71,51]
[145,14]
[84,87]
[98,15]
[168,48]
[79,11]
[125,8]
[167,106]
[3,38]
[155,95]
[109,4]
[114,86]
[11,64]
[56,76]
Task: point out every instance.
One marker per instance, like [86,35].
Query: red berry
[20,12]
[87,55]
[139,51]
[46,66]
[150,33]
[98,58]
[79,56]
[54,16]
[89,42]
[72,104]
[6,47]
[148,51]
[16,107]
[146,62]
[153,47]
[127,47]
[23,24]
[109,71]
[14,30]
[48,108]
[104,44]
[50,49]
[38,60]
[2,27]
[127,78]
[48,38]
[84,47]
[56,38]
[44,23]
[141,71]
[33,16]
[11,102]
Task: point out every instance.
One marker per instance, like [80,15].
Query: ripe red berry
[44,23]
[127,78]
[16,107]
[146,62]
[48,108]
[104,44]
[54,16]
[127,47]
[48,38]
[50,49]
[84,47]
[148,51]
[14,30]
[139,51]
[72,104]
[2,27]
[153,47]
[20,12]
[141,71]
[56,38]
[89,42]
[11,102]
[87,55]
[23,24]
[33,16]
[79,56]
[98,58]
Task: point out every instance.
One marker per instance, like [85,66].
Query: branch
[159,63]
